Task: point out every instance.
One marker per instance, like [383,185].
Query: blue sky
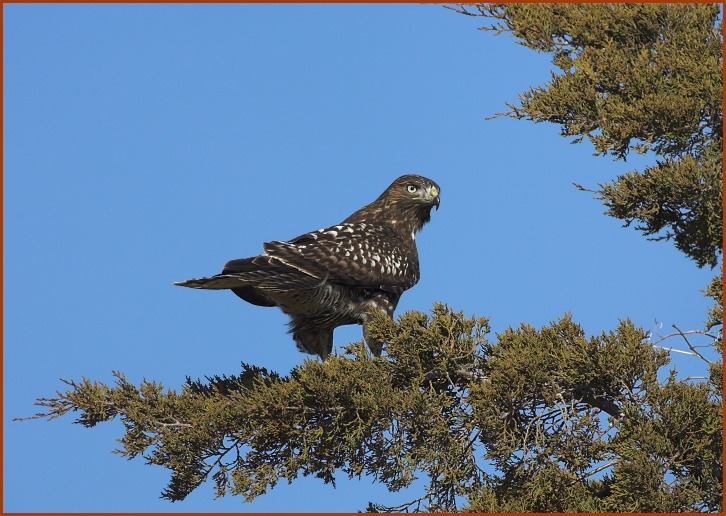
[146,144]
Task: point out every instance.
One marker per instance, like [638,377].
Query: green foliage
[635,77]
[653,439]
[559,421]
[715,292]
[679,199]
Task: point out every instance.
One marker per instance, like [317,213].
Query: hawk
[341,274]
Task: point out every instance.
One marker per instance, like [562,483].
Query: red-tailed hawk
[338,275]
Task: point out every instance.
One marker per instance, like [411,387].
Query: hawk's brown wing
[354,254]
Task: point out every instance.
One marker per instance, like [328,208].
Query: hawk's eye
[412,189]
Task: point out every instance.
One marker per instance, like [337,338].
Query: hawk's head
[405,205]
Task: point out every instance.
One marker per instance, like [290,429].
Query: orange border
[2,220]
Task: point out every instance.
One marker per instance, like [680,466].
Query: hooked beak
[433,195]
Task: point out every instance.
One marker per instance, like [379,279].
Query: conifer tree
[532,419]
[635,77]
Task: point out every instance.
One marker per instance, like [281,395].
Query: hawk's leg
[318,341]
[385,303]
[375,345]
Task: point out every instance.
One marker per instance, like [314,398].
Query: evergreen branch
[441,397]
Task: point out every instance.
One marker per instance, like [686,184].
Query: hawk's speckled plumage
[338,275]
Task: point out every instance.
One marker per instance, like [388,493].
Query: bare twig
[599,469]
[461,9]
[404,507]
[690,346]
[684,335]
[674,350]
[174,424]
[583,189]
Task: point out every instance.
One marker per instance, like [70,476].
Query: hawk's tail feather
[218,282]
[260,272]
